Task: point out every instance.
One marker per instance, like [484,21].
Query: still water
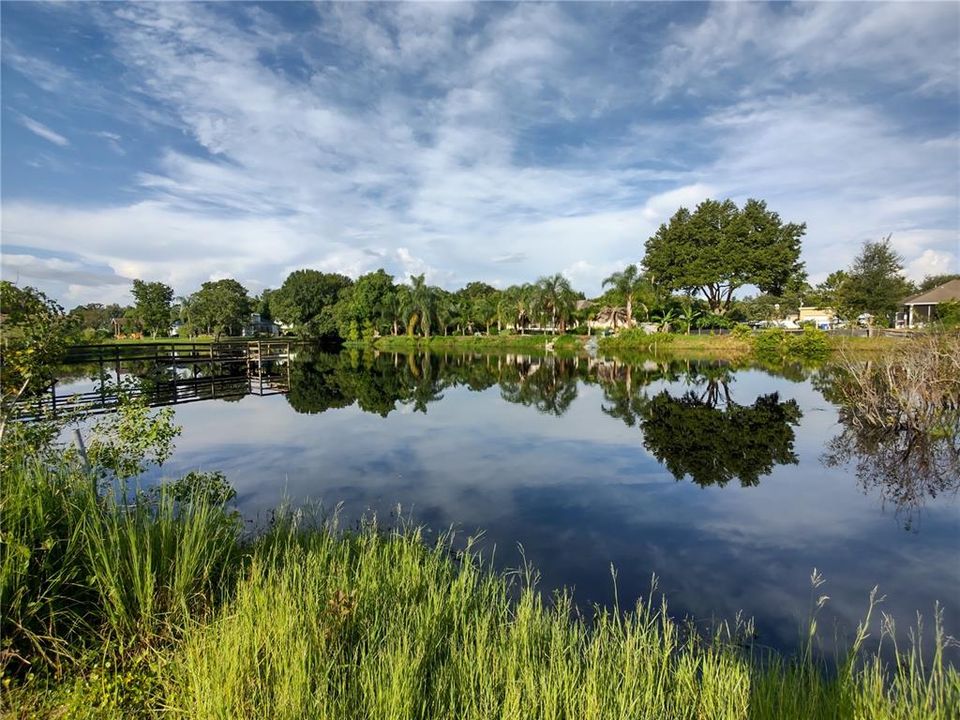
[725,484]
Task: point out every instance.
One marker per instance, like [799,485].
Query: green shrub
[741,331]
[948,314]
[811,344]
[774,344]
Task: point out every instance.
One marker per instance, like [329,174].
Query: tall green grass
[152,605]
[80,567]
[377,625]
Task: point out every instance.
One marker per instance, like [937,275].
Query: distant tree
[367,306]
[875,283]
[220,306]
[932,281]
[95,316]
[719,248]
[631,285]
[152,306]
[557,299]
[421,305]
[827,293]
[261,305]
[304,296]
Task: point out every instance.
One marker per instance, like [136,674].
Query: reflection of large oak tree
[691,436]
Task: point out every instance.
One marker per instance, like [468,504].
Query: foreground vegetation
[124,604]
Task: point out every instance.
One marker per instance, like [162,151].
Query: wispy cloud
[41,130]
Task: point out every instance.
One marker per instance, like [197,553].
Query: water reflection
[908,458]
[703,433]
[577,460]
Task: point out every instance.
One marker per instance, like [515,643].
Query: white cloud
[496,142]
[41,130]
[933,262]
[813,42]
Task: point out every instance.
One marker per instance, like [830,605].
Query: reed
[381,625]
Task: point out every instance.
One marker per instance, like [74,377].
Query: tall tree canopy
[719,248]
[304,296]
[875,283]
[220,306]
[152,306]
[367,306]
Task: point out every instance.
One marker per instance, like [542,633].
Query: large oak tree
[719,247]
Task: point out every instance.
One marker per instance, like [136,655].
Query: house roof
[949,291]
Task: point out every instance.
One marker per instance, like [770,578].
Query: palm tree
[629,283]
[422,302]
[557,298]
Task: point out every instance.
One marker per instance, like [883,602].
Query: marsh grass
[146,605]
[383,625]
[80,567]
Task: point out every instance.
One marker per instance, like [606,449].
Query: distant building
[822,317]
[259,326]
[175,328]
[609,318]
[921,309]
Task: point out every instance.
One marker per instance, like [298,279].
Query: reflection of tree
[314,385]
[900,419]
[548,384]
[906,466]
[425,384]
[713,445]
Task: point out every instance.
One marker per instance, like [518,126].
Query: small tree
[221,306]
[34,337]
[152,305]
[875,283]
[631,285]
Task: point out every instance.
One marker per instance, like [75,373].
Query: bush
[948,314]
[775,344]
[741,331]
[811,344]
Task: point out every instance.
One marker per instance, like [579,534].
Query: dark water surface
[716,480]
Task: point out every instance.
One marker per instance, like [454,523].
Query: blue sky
[499,142]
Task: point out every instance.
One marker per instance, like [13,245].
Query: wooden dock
[182,353]
[195,372]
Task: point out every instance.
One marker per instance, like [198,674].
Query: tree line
[691,273]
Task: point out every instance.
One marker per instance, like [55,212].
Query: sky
[495,142]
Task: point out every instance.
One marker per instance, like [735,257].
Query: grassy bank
[156,604]
[477,343]
[695,347]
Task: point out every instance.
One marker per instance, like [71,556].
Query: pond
[724,483]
